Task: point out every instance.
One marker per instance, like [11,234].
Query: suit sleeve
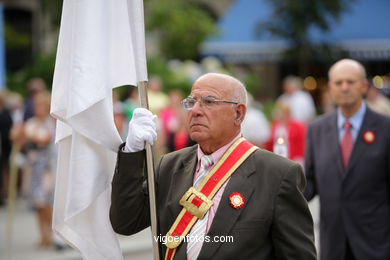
[311,188]
[388,165]
[292,230]
[129,211]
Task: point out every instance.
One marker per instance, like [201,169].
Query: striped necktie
[199,229]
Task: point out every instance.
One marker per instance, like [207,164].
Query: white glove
[142,128]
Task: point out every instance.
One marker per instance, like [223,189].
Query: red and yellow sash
[196,202]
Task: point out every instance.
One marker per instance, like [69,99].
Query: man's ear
[240,113]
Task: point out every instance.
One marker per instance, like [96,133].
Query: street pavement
[25,235]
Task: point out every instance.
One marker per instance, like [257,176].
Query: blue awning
[363,31]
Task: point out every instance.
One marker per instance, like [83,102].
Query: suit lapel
[334,144]
[181,252]
[182,180]
[226,215]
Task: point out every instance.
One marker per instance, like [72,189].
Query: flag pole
[12,190]
[143,97]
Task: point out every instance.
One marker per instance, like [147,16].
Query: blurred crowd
[28,151]
[284,132]
[27,132]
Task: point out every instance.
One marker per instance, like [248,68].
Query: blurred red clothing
[296,134]
[176,137]
[181,140]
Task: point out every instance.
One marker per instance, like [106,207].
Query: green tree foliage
[42,66]
[171,79]
[181,26]
[53,9]
[16,40]
[292,20]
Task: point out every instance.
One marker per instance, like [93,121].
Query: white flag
[101,46]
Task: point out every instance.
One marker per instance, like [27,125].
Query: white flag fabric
[101,46]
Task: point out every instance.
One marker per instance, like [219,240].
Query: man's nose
[345,86]
[196,109]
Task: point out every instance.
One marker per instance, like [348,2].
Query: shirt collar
[355,120]
[218,153]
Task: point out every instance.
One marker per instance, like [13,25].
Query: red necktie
[346,143]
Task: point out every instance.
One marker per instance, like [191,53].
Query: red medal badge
[236,200]
[369,137]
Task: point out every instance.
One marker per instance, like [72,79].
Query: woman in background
[287,135]
[39,133]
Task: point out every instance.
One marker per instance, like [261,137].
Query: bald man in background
[261,206]
[347,163]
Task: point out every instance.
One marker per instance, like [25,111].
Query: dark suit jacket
[275,222]
[355,202]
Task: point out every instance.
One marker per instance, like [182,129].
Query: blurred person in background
[347,163]
[301,103]
[14,103]
[34,86]
[119,116]
[255,127]
[157,98]
[173,123]
[377,102]
[131,102]
[287,137]
[39,140]
[327,105]
[5,145]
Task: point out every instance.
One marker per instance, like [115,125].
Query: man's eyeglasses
[205,101]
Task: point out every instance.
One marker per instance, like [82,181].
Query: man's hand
[142,128]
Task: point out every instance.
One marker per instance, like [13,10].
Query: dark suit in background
[355,201]
[274,223]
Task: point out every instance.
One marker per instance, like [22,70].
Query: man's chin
[348,104]
[197,136]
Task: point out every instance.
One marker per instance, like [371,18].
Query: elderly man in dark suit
[260,206]
[348,166]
